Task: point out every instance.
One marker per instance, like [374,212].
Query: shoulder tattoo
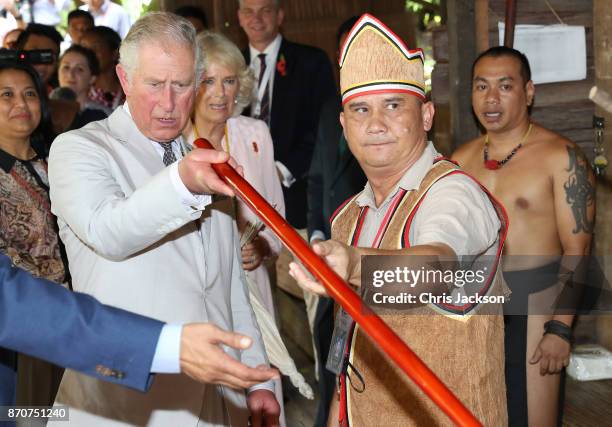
[579,192]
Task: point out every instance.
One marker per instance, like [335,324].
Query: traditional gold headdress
[375,60]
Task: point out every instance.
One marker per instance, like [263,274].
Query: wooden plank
[602,35]
[440,40]
[510,22]
[440,133]
[551,94]
[545,18]
[587,403]
[440,83]
[440,44]
[462,49]
[565,116]
[218,16]
[530,6]
[572,12]
[481,16]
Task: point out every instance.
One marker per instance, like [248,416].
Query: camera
[32,57]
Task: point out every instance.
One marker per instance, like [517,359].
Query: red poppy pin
[281,66]
[255,147]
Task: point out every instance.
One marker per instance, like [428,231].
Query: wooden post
[602,38]
[461,53]
[509,23]
[218,15]
[481,15]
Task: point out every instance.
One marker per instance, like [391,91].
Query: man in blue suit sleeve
[74,330]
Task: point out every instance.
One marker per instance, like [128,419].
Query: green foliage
[136,8]
[428,12]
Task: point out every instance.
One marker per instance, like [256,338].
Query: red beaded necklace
[496,164]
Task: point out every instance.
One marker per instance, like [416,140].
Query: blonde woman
[225,90]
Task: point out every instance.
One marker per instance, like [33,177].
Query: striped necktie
[169,156]
[264,105]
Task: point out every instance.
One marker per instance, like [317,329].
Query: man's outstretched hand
[203,359]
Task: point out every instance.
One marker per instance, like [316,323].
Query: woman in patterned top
[27,227]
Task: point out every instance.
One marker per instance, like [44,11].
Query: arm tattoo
[579,192]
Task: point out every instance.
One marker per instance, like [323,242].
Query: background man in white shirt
[109,14]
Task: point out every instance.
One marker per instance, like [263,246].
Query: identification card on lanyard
[337,350]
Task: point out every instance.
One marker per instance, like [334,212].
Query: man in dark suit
[293,82]
[45,320]
[334,173]
[334,176]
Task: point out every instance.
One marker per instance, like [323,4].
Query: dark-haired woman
[78,70]
[27,226]
[105,42]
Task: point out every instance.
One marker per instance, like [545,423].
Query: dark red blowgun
[338,289]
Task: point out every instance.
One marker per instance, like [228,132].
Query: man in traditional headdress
[415,203]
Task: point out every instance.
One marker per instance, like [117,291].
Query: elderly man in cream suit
[143,233]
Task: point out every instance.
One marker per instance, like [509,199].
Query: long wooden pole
[510,22]
[337,288]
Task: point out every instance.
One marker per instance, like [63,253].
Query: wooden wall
[563,107]
[312,22]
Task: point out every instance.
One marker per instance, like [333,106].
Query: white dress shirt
[166,359]
[271,52]
[455,211]
[111,15]
[7,24]
[46,12]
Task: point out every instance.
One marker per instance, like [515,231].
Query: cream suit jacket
[132,243]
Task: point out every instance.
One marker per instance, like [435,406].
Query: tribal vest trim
[465,341]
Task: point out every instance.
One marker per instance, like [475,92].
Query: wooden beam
[509,23]
[481,16]
[218,15]
[602,34]
[461,53]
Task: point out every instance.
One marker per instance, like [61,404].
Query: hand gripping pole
[337,288]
